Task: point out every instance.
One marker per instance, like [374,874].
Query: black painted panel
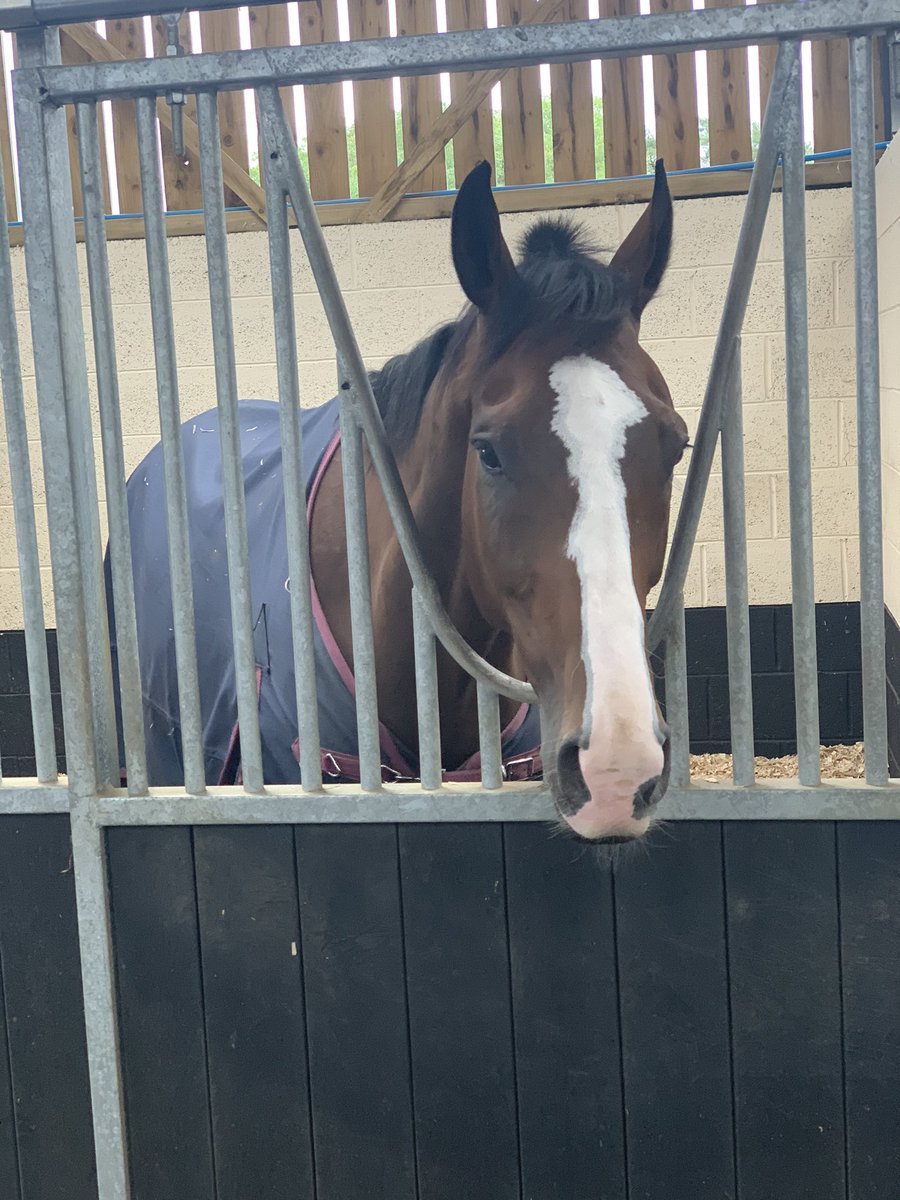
[565,1005]
[670,917]
[356,1012]
[45,1009]
[838,636]
[893,718]
[772,661]
[763,645]
[786,1009]
[698,708]
[892,644]
[15,662]
[705,640]
[833,705]
[514,1089]
[254,1006]
[454,907]
[9,1158]
[869,865]
[161,1013]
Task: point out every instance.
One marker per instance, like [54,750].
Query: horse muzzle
[611,799]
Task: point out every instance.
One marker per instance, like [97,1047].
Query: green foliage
[499,171]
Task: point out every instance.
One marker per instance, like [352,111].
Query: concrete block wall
[399,284]
[887,180]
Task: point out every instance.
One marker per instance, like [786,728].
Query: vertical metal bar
[489,736]
[677,698]
[430,766]
[113,456]
[24,519]
[739,284]
[44,170]
[40,167]
[84,476]
[360,590]
[294,487]
[868,416]
[737,606]
[803,597]
[183,623]
[239,583]
[98,981]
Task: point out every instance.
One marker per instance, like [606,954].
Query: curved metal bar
[736,298]
[283,157]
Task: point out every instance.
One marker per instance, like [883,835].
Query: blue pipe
[821,156]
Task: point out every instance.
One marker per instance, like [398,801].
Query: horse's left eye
[488,456]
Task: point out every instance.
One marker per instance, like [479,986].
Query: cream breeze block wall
[399,284]
[887,180]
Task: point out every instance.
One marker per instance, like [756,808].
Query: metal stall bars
[42,86]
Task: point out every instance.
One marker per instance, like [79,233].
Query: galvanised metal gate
[89,793]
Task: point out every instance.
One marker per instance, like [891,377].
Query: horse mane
[563,284]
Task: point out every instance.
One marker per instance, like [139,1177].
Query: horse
[536,440]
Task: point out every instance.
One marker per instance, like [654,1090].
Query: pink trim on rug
[388,745]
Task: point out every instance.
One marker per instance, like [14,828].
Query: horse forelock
[561,289]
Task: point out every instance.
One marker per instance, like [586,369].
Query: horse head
[572,443]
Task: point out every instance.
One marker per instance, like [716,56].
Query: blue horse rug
[270,581]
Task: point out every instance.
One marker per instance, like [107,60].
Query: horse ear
[644,254]
[481,257]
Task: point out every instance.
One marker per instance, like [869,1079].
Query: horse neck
[432,470]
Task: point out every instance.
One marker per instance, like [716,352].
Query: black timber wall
[840,687]
[456,1012]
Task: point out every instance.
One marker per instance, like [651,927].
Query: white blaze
[594,411]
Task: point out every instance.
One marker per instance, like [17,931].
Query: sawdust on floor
[838,762]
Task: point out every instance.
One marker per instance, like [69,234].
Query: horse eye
[488,456]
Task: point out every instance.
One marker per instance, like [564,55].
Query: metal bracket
[175,100]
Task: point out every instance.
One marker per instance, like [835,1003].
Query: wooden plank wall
[572,109]
[181,176]
[567,147]
[421,97]
[127,37]
[729,100]
[433,1012]
[675,101]
[474,142]
[329,174]
[6,150]
[376,137]
[624,137]
[220,31]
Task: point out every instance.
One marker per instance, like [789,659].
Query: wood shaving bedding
[838,762]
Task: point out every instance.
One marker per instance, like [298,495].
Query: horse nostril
[648,794]
[573,793]
[644,797]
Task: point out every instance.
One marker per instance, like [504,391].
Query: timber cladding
[433,1012]
[573,123]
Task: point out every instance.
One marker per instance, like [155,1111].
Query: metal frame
[469,50]
[42,86]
